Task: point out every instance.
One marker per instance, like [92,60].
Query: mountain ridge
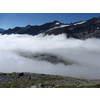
[89,29]
[31,30]
[80,30]
[2,30]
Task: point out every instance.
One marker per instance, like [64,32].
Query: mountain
[80,30]
[33,30]
[10,31]
[1,30]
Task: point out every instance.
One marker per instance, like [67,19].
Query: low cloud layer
[82,56]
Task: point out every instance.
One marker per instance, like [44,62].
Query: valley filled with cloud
[54,55]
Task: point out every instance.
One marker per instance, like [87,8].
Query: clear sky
[11,20]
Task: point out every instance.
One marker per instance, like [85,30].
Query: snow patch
[80,23]
[61,26]
[64,26]
[57,23]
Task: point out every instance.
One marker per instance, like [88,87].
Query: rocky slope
[31,80]
[80,30]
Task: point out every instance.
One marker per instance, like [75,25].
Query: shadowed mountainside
[80,30]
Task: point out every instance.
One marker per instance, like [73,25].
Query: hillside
[32,80]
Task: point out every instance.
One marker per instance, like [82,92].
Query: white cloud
[84,55]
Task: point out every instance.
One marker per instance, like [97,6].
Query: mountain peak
[56,21]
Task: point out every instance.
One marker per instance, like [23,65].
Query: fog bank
[18,54]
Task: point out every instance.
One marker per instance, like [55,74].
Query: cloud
[82,56]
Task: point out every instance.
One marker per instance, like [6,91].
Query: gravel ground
[32,80]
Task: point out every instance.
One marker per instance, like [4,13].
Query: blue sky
[11,20]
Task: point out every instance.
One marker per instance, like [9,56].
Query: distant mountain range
[33,30]
[1,30]
[80,30]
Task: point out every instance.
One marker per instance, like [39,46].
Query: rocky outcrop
[46,57]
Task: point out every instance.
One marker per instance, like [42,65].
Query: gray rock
[33,86]
[21,74]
